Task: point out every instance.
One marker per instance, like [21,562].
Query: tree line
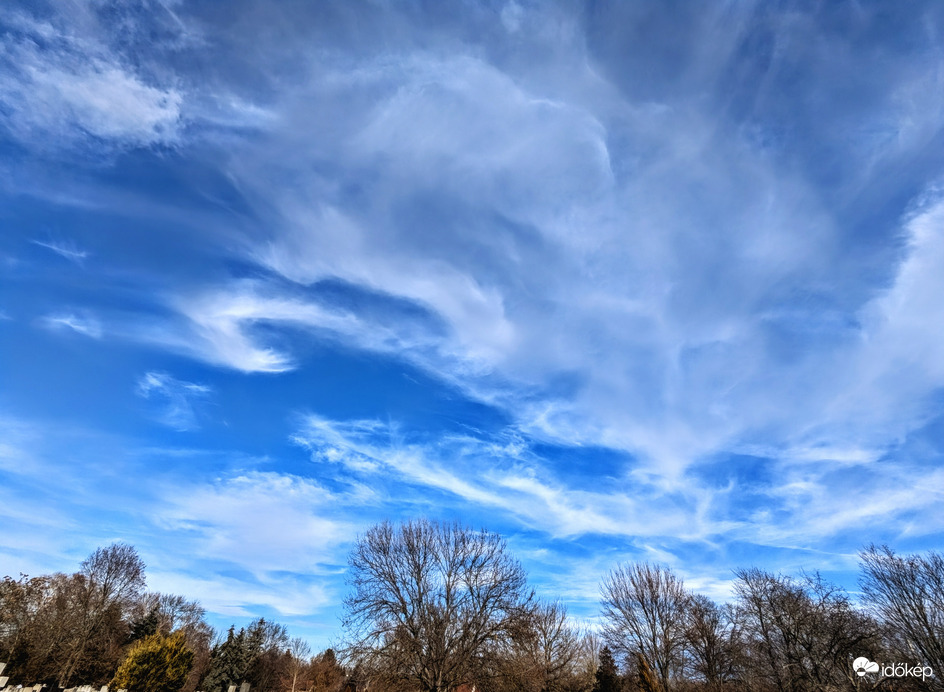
[100,626]
[437,607]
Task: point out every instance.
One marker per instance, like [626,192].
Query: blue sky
[621,281]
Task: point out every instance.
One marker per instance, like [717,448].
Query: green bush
[157,663]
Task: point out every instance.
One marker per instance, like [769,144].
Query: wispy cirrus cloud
[223,320]
[80,323]
[177,401]
[802,500]
[75,87]
[263,521]
[244,540]
[501,474]
[618,317]
[675,341]
[68,250]
[902,359]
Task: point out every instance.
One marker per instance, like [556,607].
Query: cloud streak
[67,250]
[499,474]
[178,400]
[81,324]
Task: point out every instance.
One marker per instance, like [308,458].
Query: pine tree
[607,677]
[155,664]
[265,644]
[229,662]
[145,626]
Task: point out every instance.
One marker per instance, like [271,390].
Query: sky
[620,281]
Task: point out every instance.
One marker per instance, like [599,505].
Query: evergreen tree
[145,626]
[155,664]
[265,645]
[229,662]
[607,677]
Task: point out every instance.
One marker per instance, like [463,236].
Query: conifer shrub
[158,663]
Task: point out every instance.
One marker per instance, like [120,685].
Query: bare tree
[299,663]
[77,627]
[557,645]
[31,640]
[107,585]
[60,627]
[712,642]
[588,660]
[907,593]
[431,603]
[644,612]
[801,634]
[175,613]
[544,653]
[326,674]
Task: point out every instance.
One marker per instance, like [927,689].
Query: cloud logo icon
[862,665]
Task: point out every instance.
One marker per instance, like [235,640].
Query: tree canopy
[432,603]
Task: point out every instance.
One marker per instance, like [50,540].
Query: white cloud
[235,597]
[242,542]
[325,243]
[101,99]
[822,504]
[468,470]
[609,271]
[73,86]
[264,522]
[884,385]
[68,250]
[511,16]
[82,324]
[901,324]
[812,498]
[222,319]
[177,399]
[557,267]
[605,269]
